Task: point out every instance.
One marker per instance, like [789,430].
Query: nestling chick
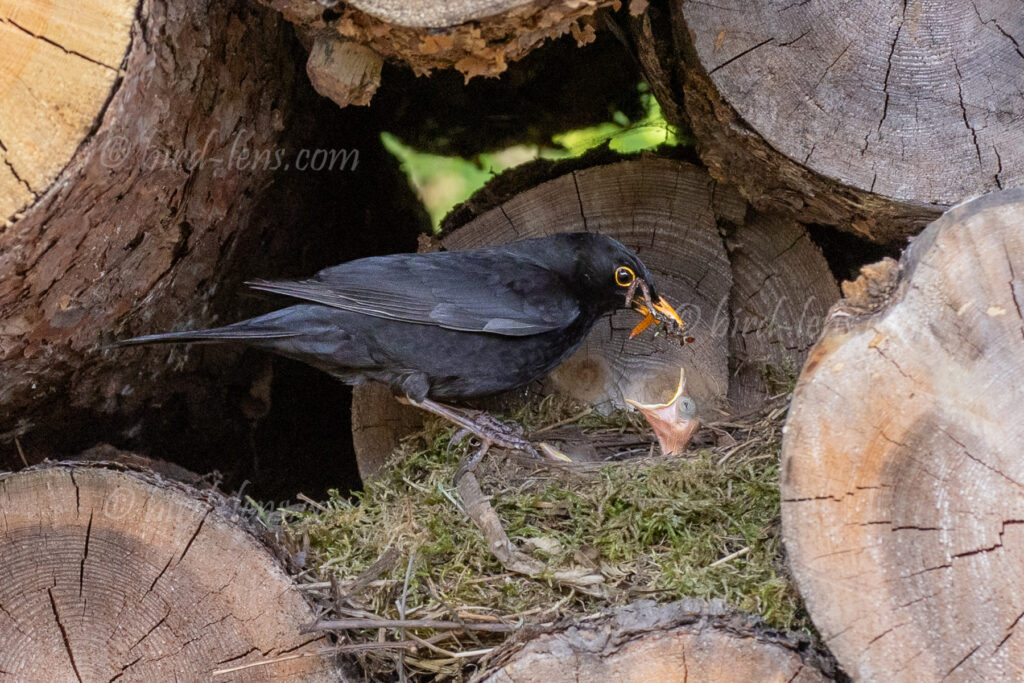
[449,326]
[674,422]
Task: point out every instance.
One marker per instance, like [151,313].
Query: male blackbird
[447,326]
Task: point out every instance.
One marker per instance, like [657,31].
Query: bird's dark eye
[624,276]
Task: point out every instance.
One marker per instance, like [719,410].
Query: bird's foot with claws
[504,434]
[489,430]
[470,462]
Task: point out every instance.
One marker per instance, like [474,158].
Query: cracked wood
[908,106]
[59,66]
[751,286]
[902,483]
[113,574]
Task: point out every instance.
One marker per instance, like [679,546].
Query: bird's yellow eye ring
[624,276]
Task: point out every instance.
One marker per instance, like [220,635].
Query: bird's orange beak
[673,426]
[663,312]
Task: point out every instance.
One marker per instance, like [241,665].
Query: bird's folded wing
[455,290]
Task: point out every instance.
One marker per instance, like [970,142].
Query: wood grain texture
[112,574]
[378,423]
[683,641]
[475,37]
[870,117]
[902,475]
[751,286]
[427,14]
[663,210]
[782,290]
[59,65]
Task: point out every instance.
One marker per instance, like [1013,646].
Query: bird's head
[615,277]
[675,421]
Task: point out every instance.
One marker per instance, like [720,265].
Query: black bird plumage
[444,325]
[448,326]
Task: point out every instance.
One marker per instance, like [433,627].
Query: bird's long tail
[257,329]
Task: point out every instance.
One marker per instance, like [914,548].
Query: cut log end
[901,470]
[378,422]
[752,288]
[59,64]
[110,573]
[782,291]
[688,640]
[854,114]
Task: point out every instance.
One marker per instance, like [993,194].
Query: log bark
[141,212]
[476,37]
[687,640]
[59,70]
[112,573]
[751,287]
[902,476]
[870,118]
[155,223]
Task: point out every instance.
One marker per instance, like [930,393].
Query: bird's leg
[486,428]
[468,426]
[459,436]
[469,464]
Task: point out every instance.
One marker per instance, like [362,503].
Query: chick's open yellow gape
[675,421]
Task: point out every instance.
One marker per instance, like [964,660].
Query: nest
[418,575]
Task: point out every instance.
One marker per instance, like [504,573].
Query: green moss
[653,528]
[661,527]
[781,379]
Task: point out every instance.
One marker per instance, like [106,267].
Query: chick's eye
[624,276]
